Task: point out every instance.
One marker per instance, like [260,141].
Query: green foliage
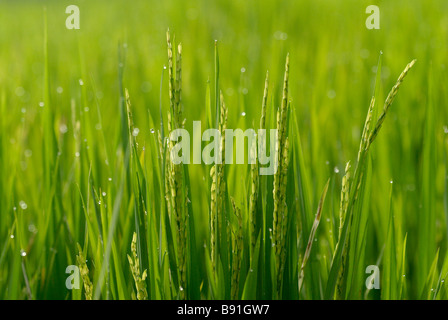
[86,176]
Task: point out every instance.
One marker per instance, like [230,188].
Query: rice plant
[94,205]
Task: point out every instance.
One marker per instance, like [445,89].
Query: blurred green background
[332,77]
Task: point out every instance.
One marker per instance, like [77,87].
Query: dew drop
[23,205]
[63,128]
[135,132]
[243,114]
[331,94]
[77,154]
[110,179]
[279,35]
[23,253]
[12,236]
[152,130]
[104,194]
[81,83]
[20,91]
[41,104]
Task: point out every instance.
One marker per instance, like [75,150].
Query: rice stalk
[175,174]
[264,102]
[237,251]
[213,217]
[280,180]
[134,263]
[284,219]
[253,199]
[167,169]
[390,98]
[345,193]
[84,270]
[365,142]
[367,138]
[363,147]
[254,173]
[217,187]
[312,235]
[171,82]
